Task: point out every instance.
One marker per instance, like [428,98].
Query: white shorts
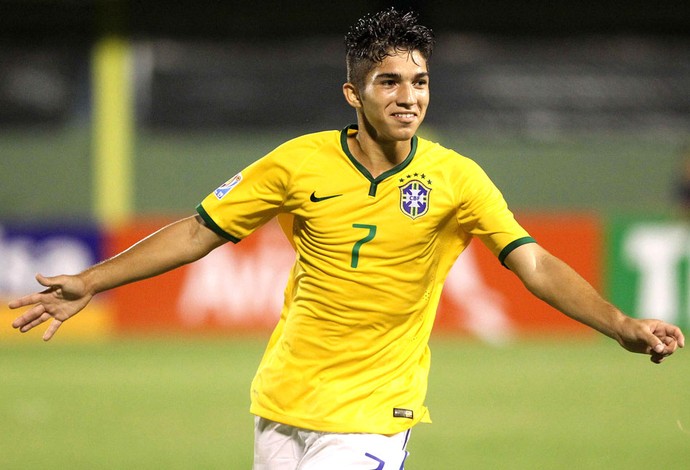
[282,447]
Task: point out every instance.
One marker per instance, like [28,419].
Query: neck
[375,155]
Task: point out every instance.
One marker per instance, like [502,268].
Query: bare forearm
[177,244]
[553,281]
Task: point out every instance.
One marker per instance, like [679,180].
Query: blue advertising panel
[30,248]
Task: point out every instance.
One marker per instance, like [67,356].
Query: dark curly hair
[376,36]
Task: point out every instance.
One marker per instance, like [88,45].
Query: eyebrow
[397,76]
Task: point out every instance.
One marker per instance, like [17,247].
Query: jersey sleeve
[484,214]
[248,200]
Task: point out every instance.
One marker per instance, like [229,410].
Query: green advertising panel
[648,271]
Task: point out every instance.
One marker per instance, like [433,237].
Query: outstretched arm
[553,281]
[177,244]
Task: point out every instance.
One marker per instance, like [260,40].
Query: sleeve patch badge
[226,187]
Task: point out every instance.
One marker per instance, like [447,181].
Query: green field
[182,403]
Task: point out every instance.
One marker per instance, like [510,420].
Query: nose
[406,94]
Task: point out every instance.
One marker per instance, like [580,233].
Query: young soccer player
[377,217]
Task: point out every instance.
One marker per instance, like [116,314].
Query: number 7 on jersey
[358,244]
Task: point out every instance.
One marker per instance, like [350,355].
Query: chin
[405,134]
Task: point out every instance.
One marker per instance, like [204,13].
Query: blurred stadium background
[118,116]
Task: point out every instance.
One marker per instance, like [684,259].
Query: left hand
[654,337]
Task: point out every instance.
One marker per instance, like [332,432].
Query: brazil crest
[414,199]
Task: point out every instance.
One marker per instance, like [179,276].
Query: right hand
[64,297]
[653,337]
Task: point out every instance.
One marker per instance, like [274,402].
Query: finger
[657,359]
[669,335]
[662,339]
[680,339]
[24,301]
[654,344]
[42,319]
[659,354]
[28,316]
[664,349]
[52,329]
[671,344]
[37,297]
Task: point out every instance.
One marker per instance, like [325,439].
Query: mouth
[405,117]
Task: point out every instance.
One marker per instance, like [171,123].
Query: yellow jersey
[350,351]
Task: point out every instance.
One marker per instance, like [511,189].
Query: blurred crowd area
[525,85]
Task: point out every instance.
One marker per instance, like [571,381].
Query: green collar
[375,181]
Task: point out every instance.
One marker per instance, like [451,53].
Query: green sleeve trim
[214,226]
[511,246]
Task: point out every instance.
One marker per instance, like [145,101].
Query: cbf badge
[414,199]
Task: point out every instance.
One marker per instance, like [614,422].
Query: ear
[352,95]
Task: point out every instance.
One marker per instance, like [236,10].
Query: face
[392,102]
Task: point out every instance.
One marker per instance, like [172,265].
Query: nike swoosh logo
[315,198]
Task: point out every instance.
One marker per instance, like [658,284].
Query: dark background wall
[578,105]
[64,19]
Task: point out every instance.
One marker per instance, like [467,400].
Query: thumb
[653,342]
[48,281]
[658,347]
[642,338]
[666,338]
